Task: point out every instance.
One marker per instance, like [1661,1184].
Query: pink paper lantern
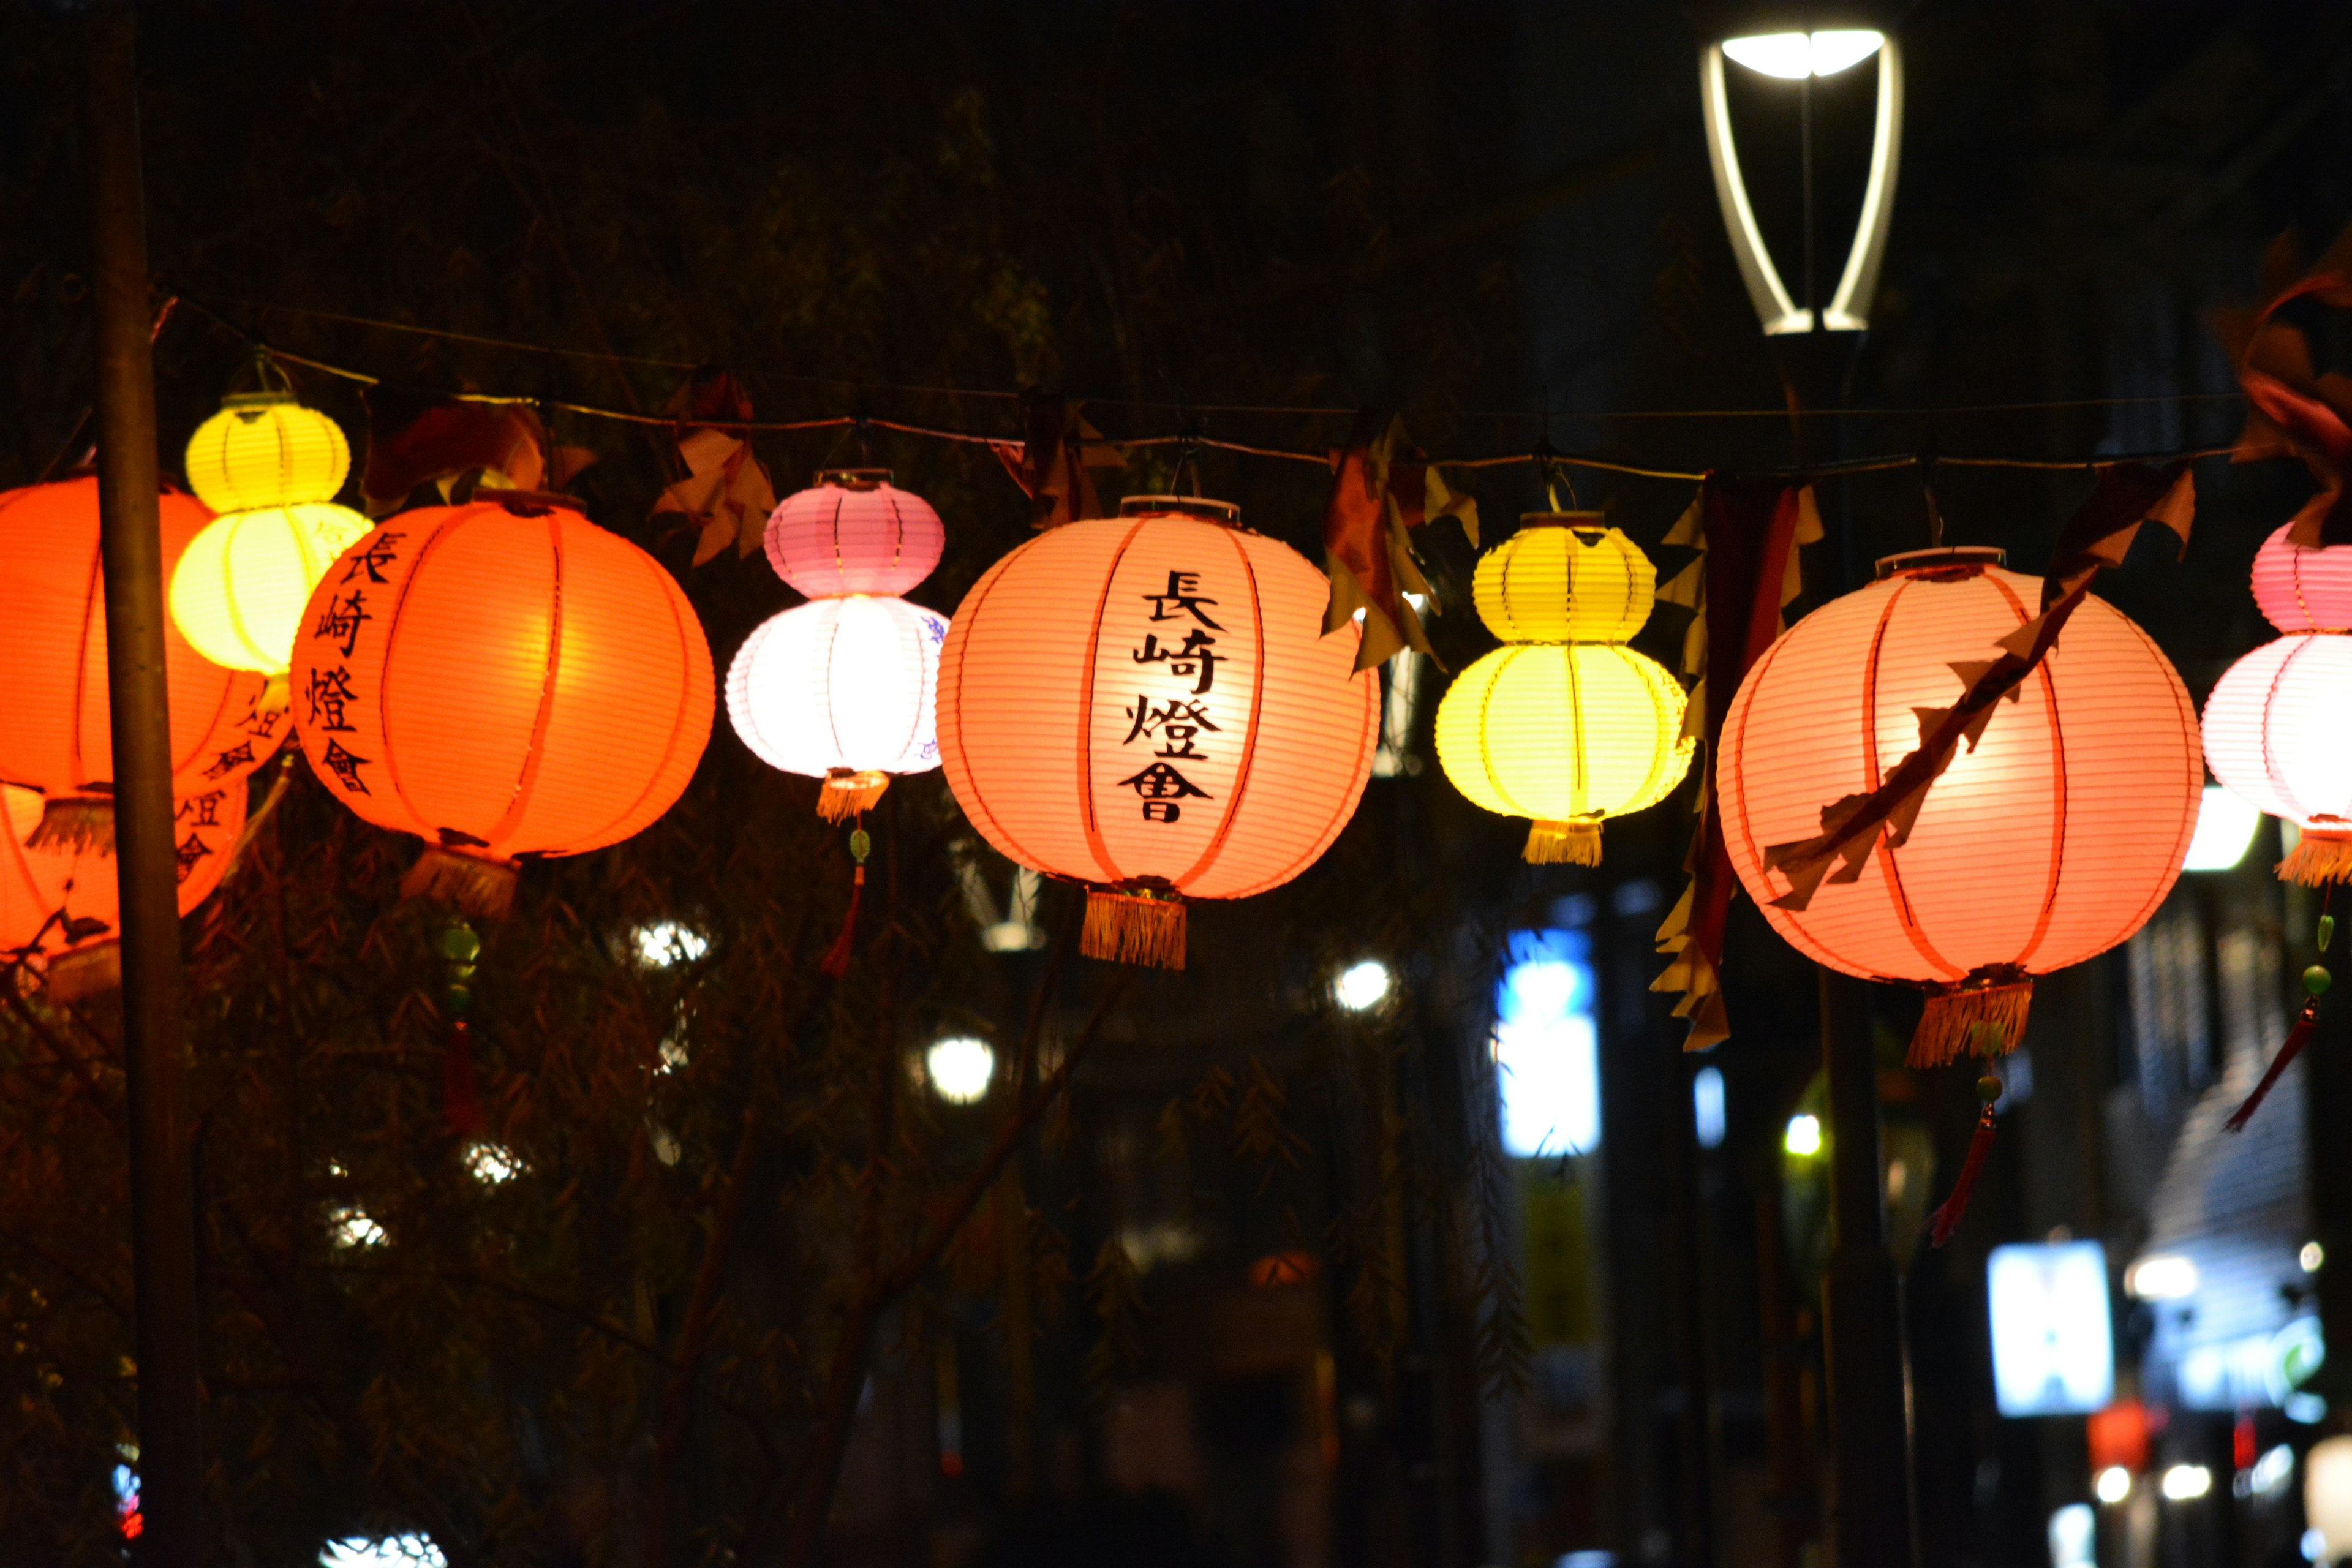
[2301,589]
[854,532]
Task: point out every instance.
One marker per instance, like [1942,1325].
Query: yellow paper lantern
[1563,723]
[270,467]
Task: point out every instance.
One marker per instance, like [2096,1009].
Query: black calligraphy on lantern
[378,555]
[1176,724]
[200,810]
[1194,658]
[1161,787]
[1183,598]
[346,766]
[327,692]
[224,762]
[189,851]
[342,619]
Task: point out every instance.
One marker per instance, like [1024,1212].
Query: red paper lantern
[2276,726]
[1145,704]
[56,733]
[58,904]
[854,532]
[2049,842]
[504,680]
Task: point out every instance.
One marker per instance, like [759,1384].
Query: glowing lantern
[56,734]
[2275,730]
[1143,704]
[1564,723]
[841,688]
[2049,842]
[58,902]
[504,680]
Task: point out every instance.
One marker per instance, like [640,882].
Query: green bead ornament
[459,945]
[2327,931]
[1987,1088]
[861,844]
[2316,980]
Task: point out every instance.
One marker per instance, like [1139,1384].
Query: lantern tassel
[1133,927]
[476,884]
[75,824]
[81,973]
[2319,856]
[1576,842]
[847,793]
[1949,1213]
[461,1102]
[836,961]
[1985,1019]
[2296,1039]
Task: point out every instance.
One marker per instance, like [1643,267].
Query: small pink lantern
[854,532]
[2304,589]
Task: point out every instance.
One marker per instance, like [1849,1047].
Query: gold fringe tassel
[844,794]
[1576,842]
[75,824]
[1133,927]
[2319,856]
[476,884]
[1971,1018]
[81,973]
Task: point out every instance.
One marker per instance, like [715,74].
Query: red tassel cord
[461,1104]
[1949,1213]
[836,961]
[2296,1039]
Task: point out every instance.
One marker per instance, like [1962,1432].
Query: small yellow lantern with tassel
[1564,723]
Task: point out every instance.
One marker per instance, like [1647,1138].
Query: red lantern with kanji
[1146,705]
[2048,841]
[56,733]
[504,680]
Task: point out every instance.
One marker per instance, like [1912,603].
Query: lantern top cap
[1223,512]
[852,479]
[1580,520]
[268,397]
[1949,556]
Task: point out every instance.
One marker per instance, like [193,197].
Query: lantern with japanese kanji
[1564,723]
[56,733]
[504,680]
[841,688]
[2277,730]
[270,467]
[1145,705]
[2050,840]
[59,911]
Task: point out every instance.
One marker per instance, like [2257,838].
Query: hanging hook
[1193,434]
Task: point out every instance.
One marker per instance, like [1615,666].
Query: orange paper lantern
[58,905]
[56,733]
[2048,843]
[504,680]
[1144,704]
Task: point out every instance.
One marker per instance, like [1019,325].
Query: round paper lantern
[1144,704]
[2304,589]
[238,592]
[841,690]
[55,733]
[2050,841]
[58,905]
[504,680]
[264,450]
[854,532]
[1563,723]
[2276,728]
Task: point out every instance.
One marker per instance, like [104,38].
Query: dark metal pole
[162,1202]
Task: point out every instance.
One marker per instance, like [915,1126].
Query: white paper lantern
[841,687]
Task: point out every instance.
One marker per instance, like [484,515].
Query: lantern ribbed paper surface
[56,733]
[502,679]
[238,593]
[2301,589]
[2050,842]
[1144,704]
[854,532]
[1562,723]
[840,683]
[60,902]
[264,450]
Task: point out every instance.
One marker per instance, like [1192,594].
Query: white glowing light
[2225,827]
[2053,1348]
[2166,1276]
[1707,1109]
[2312,1255]
[1804,1135]
[665,943]
[415,1550]
[348,1228]
[1792,56]
[1362,987]
[1547,1046]
[2185,1483]
[960,1070]
[2112,1485]
[2073,1537]
[2272,1471]
[492,1165]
